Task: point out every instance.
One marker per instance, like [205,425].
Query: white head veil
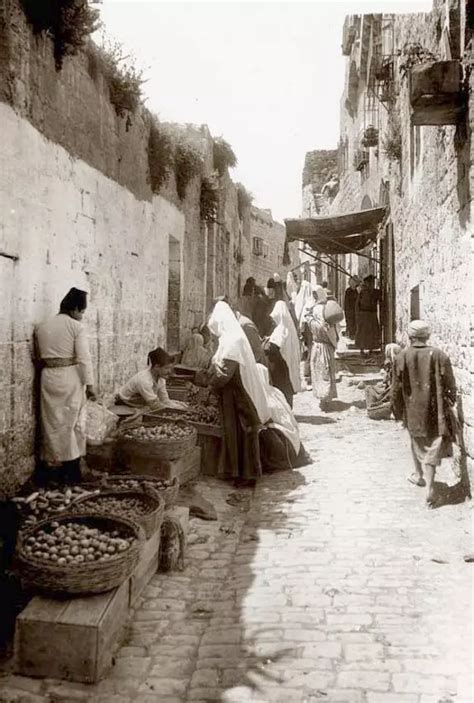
[281,413]
[285,337]
[291,287]
[234,346]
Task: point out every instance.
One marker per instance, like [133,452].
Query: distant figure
[261,314]
[324,343]
[350,301]
[251,332]
[283,352]
[331,188]
[249,287]
[324,284]
[423,395]
[195,355]
[291,287]
[368,329]
[247,300]
[380,394]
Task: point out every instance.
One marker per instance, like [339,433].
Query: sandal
[417,481]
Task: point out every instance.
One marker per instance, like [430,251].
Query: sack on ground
[100,422]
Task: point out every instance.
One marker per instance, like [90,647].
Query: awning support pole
[350,250]
[338,267]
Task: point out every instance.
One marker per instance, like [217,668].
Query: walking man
[423,395]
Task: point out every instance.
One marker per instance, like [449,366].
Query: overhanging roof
[337,234]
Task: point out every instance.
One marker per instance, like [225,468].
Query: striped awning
[337,234]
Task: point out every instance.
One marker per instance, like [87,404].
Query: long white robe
[63,394]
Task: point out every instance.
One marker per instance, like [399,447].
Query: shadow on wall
[462,142]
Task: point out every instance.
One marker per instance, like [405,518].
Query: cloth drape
[291,287]
[285,337]
[282,417]
[303,299]
[234,346]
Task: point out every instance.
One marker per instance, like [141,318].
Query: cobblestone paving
[331,583]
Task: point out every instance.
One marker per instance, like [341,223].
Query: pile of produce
[128,506]
[43,503]
[205,415]
[75,543]
[161,432]
[158,484]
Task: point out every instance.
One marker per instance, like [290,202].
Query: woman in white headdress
[283,352]
[233,373]
[323,363]
[291,287]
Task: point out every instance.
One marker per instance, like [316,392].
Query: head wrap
[234,346]
[418,329]
[195,355]
[391,351]
[159,357]
[285,337]
[75,299]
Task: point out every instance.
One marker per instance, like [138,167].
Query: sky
[266,76]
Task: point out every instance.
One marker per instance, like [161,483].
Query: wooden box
[184,469]
[75,639]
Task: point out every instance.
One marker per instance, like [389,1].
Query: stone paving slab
[330,583]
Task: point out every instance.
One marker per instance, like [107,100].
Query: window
[415,303]
[257,247]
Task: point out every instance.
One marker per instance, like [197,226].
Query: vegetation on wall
[161,157]
[122,76]
[392,141]
[244,199]
[209,200]
[68,22]
[414,54]
[188,165]
[223,155]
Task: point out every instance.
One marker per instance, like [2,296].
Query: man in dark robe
[423,395]
[350,300]
[368,328]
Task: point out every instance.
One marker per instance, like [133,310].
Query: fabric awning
[337,234]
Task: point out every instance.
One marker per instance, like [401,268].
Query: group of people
[361,302]
[255,378]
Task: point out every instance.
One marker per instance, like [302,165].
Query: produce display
[72,543]
[205,415]
[128,506]
[158,484]
[161,432]
[44,503]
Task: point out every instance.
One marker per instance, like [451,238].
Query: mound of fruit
[75,543]
[44,503]
[163,431]
[139,484]
[205,415]
[128,506]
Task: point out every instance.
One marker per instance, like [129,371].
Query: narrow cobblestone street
[332,583]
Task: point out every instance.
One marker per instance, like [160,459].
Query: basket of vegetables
[166,488]
[158,439]
[147,509]
[44,503]
[78,554]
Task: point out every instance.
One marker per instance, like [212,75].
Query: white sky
[267,76]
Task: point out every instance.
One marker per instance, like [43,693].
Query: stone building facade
[407,116]
[77,209]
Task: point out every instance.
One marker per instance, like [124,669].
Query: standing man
[368,328]
[423,393]
[350,300]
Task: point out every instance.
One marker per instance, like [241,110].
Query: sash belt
[58,363]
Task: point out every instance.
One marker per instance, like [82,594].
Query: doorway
[173,318]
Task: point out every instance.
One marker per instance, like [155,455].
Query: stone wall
[76,208]
[266,254]
[428,191]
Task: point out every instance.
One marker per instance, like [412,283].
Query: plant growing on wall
[188,165]
[392,141]
[122,75]
[68,22]
[414,54]
[209,200]
[160,155]
[223,155]
[244,199]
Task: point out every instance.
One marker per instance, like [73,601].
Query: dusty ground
[332,583]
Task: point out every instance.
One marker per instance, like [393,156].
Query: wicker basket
[153,507]
[86,578]
[166,449]
[151,484]
[383,411]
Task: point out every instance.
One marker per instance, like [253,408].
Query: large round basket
[149,518]
[166,488]
[79,579]
[159,449]
[383,411]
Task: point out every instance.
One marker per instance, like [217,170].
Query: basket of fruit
[44,502]
[159,439]
[166,488]
[78,554]
[147,509]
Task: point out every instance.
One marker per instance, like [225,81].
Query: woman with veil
[234,375]
[283,352]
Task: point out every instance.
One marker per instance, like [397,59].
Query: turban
[417,329]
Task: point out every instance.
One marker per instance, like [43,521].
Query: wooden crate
[184,469]
[75,639]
